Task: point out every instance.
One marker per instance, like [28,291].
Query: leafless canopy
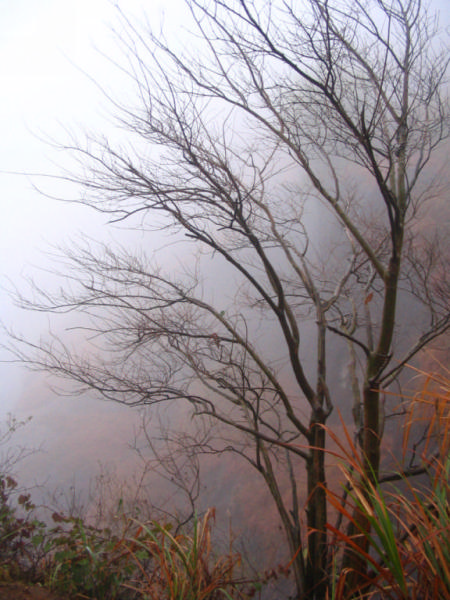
[295,144]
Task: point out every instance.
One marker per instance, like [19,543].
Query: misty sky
[48,59]
[45,45]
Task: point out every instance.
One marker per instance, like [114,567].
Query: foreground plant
[18,530]
[177,566]
[87,561]
[407,548]
[130,561]
[21,547]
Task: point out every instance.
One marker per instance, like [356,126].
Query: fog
[52,56]
[50,65]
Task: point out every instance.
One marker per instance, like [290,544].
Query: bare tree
[12,454]
[285,109]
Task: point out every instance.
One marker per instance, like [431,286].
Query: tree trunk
[371,437]
[292,532]
[352,561]
[316,570]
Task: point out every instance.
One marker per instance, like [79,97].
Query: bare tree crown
[286,109]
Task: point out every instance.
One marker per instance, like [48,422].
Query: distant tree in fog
[11,455]
[292,153]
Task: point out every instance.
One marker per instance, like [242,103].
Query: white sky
[45,45]
[41,91]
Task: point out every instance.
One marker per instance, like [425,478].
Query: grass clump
[146,560]
[406,554]
[182,566]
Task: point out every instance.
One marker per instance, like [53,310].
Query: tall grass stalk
[180,566]
[408,552]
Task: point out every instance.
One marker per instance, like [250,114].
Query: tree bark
[316,572]
[371,432]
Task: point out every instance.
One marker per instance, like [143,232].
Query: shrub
[20,532]
[408,548]
[178,566]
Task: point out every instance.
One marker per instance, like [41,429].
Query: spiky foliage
[182,567]
[409,545]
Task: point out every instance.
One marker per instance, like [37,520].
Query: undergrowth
[147,560]
[406,555]
[407,551]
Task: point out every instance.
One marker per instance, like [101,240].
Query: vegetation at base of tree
[408,554]
[147,560]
